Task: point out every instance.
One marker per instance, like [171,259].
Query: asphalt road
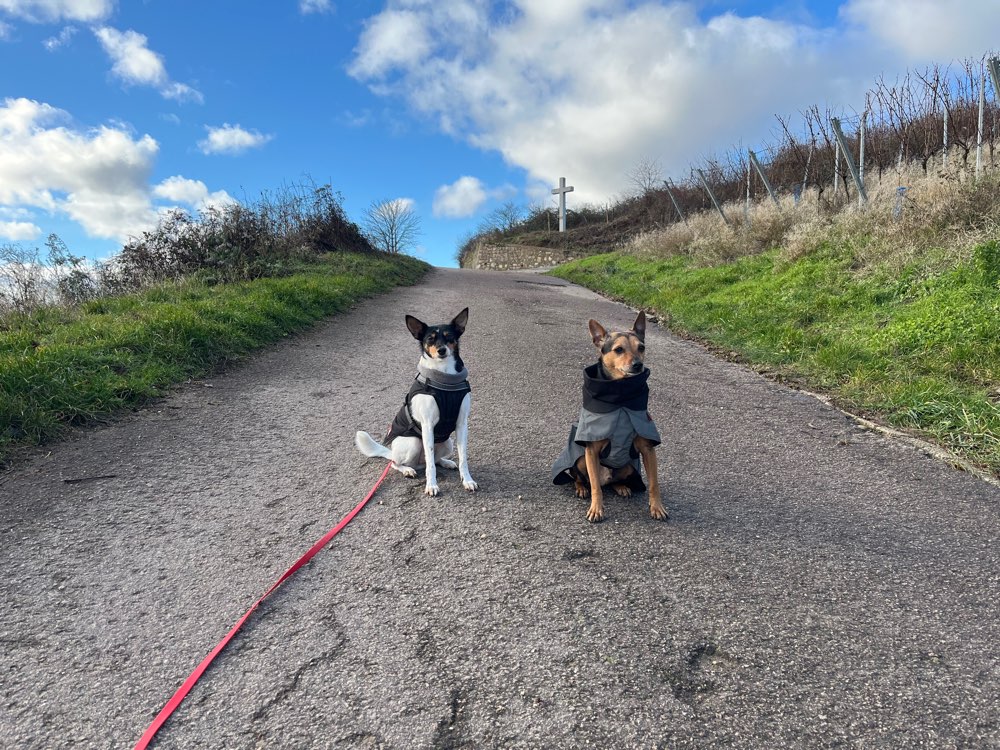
[817,585]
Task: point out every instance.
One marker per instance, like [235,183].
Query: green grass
[920,351]
[61,367]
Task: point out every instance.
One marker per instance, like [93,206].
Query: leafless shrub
[75,280]
[241,241]
[230,242]
[539,217]
[22,279]
[27,283]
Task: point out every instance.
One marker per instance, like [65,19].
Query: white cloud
[192,193]
[929,29]
[14,213]
[231,139]
[181,92]
[465,196]
[99,177]
[55,42]
[19,230]
[395,38]
[5,29]
[39,11]
[586,88]
[135,64]
[181,189]
[461,198]
[315,6]
[133,61]
[616,83]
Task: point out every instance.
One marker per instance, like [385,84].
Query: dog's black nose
[442,350]
[637,367]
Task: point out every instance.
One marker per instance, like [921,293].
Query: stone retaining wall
[513,257]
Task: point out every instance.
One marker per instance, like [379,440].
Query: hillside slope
[900,322]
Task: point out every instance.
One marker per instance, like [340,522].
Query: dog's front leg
[593,456]
[426,414]
[648,453]
[462,443]
[427,435]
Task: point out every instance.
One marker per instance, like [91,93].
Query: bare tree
[392,225]
[503,219]
[509,215]
[646,175]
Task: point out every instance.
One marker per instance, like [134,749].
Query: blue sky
[111,112]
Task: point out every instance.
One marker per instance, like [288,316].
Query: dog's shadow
[532,488]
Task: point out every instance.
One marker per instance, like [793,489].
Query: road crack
[290,686]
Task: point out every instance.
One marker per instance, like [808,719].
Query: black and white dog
[436,406]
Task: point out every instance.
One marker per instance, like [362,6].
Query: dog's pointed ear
[597,332]
[417,327]
[640,326]
[458,323]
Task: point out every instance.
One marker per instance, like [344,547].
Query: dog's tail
[370,446]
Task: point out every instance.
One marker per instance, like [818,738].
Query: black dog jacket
[448,391]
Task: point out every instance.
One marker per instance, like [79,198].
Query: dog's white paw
[446,463]
[470,485]
[407,471]
[432,490]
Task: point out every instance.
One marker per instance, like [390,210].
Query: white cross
[561,192]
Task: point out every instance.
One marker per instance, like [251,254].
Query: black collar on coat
[602,394]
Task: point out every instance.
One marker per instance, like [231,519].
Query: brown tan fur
[627,349]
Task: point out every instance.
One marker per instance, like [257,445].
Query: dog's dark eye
[641,348]
[619,350]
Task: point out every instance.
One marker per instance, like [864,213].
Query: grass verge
[919,350]
[71,366]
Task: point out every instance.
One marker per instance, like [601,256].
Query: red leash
[184,689]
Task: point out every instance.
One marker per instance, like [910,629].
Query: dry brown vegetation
[919,132]
[942,216]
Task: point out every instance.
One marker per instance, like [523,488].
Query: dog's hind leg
[443,453]
[618,483]
[646,450]
[401,454]
[406,453]
[581,484]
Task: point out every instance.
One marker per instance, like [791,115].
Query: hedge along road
[816,583]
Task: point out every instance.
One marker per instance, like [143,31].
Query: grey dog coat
[614,410]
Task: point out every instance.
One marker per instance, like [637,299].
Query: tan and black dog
[614,429]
